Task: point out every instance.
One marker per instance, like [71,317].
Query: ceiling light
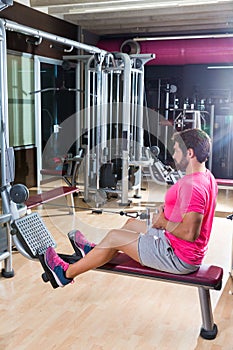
[200,2]
[183,37]
[220,67]
[124,5]
[113,6]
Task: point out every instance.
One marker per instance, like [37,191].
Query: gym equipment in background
[14,218]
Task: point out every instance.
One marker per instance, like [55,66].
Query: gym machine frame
[112,120]
[11,211]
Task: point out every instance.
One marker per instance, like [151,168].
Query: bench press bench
[45,197]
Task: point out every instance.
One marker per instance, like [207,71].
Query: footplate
[33,234]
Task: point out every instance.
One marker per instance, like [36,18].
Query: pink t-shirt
[196,192]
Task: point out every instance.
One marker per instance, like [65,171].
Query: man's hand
[188,229]
[158,219]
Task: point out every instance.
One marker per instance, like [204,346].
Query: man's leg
[61,273]
[83,246]
[80,243]
[139,226]
[116,240]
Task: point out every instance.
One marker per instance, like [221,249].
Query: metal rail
[20,28]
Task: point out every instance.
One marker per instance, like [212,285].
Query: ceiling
[143,17]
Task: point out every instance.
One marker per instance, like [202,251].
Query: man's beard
[182,165]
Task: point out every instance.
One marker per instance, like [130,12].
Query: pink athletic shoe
[54,265]
[80,243]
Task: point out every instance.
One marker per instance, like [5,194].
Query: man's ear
[190,153]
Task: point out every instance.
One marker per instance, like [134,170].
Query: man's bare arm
[188,229]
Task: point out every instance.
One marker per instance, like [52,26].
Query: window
[20,102]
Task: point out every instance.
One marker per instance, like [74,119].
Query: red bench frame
[226,184]
[205,278]
[45,197]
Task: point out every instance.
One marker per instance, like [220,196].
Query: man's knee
[112,237]
[128,223]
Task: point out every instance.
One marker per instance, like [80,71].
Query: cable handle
[130,214]
[148,216]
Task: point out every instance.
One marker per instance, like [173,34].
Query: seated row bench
[225,184]
[205,278]
[45,197]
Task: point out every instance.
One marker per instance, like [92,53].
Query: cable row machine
[15,224]
[113,121]
[112,126]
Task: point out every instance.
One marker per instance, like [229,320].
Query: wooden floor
[107,311]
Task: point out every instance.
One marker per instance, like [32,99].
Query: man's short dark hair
[196,139]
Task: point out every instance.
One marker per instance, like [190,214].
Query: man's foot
[55,268]
[80,243]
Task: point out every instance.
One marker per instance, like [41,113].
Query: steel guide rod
[4,102]
[6,205]
[20,28]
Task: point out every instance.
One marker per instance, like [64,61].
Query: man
[178,239]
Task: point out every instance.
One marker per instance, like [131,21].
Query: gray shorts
[155,251]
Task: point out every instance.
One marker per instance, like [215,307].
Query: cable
[131,214]
[8,162]
[147,120]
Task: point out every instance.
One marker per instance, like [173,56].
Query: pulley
[130,47]
[19,193]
